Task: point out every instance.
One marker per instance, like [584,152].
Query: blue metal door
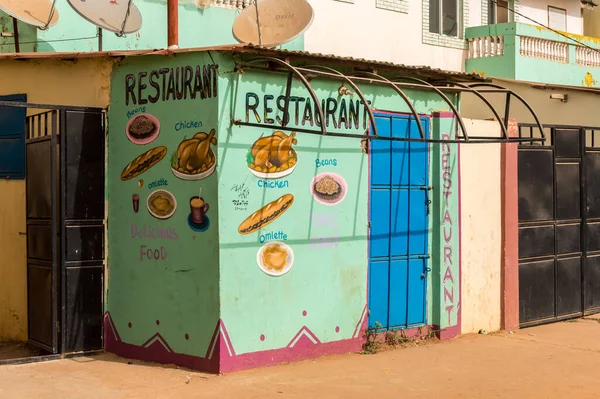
[399,225]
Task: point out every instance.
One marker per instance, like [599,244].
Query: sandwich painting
[266,215]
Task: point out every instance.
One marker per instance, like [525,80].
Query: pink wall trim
[156,349]
[221,357]
[510,231]
[443,114]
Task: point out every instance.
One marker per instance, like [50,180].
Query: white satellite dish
[270,23]
[109,14]
[38,13]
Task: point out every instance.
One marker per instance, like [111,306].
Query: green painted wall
[197,28]
[326,282]
[177,294]
[219,274]
[27,35]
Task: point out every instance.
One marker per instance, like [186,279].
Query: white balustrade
[233,4]
[544,49]
[487,46]
[587,57]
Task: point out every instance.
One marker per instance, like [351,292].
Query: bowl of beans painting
[328,188]
[142,129]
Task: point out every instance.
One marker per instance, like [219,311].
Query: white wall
[361,30]
[481,230]
[538,11]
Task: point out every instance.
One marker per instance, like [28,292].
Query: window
[444,17]
[12,139]
[498,12]
[557,18]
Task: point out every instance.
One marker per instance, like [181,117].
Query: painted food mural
[273,157]
[143,129]
[270,159]
[194,159]
[289,202]
[163,234]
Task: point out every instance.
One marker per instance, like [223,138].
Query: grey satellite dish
[109,14]
[38,13]
[270,23]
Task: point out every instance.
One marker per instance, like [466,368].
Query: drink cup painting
[198,209]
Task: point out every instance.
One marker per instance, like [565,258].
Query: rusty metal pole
[172,23]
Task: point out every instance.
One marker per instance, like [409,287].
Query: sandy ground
[15,350]
[560,360]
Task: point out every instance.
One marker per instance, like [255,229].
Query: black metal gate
[559,225]
[65,150]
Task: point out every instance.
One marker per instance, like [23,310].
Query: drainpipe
[172,24]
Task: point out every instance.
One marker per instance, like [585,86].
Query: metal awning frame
[307,73]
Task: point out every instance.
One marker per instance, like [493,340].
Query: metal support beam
[446,99]
[304,82]
[304,74]
[404,97]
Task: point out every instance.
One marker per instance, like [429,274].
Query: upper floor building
[496,38]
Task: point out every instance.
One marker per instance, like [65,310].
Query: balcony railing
[587,57]
[532,53]
[234,4]
[487,46]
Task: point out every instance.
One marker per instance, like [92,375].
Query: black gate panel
[42,231]
[568,287]
[82,166]
[536,185]
[568,198]
[551,237]
[592,282]
[536,301]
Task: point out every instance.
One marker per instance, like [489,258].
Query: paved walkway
[560,360]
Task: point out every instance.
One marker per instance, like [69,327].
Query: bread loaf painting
[266,215]
[143,162]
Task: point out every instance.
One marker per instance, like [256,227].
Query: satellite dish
[32,12]
[280,21]
[109,14]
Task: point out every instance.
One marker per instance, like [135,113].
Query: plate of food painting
[328,188]
[275,258]
[272,157]
[161,204]
[142,129]
[195,159]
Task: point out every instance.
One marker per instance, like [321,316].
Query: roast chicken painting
[195,159]
[272,157]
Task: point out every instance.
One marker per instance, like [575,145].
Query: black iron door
[82,213]
[42,190]
[559,227]
[592,219]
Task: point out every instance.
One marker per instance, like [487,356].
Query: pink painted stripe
[303,331]
[213,340]
[158,337]
[360,321]
[226,337]
[112,326]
